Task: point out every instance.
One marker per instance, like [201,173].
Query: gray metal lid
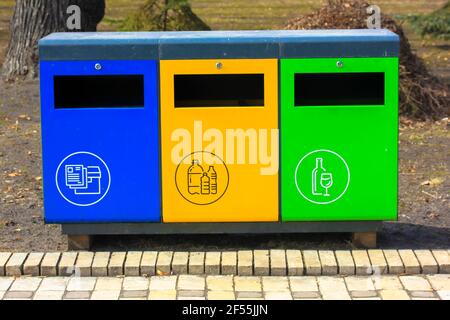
[220,44]
[100,45]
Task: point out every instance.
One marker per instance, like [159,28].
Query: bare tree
[34,19]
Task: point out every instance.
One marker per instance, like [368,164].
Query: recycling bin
[339,125]
[100,129]
[219,140]
[219,132]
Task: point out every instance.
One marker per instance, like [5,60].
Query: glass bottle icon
[195,173]
[213,179]
[205,184]
[316,175]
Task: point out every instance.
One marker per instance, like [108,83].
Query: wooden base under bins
[79,242]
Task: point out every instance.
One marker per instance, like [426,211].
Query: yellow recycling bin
[219,140]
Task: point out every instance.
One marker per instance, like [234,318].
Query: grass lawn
[259,14]
[265,14]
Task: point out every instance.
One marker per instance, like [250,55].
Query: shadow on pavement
[394,235]
[413,236]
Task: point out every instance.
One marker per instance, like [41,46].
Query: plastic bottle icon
[205,183]
[213,182]
[316,175]
[195,173]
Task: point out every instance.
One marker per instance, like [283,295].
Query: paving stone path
[201,287]
[241,263]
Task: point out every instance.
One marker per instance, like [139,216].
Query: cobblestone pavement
[195,287]
[274,262]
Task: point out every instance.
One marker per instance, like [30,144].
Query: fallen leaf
[432,182]
[38,178]
[24,117]
[432,215]
[161,273]
[430,195]
[14,174]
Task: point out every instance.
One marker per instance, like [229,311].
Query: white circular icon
[322,176]
[83,178]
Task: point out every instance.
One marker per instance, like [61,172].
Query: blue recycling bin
[100,133]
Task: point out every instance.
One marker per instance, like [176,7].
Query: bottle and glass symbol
[200,181]
[322,176]
[321,179]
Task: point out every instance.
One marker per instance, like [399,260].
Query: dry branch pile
[421,94]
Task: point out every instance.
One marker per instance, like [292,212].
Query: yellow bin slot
[219,137]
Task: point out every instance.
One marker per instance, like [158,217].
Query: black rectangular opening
[224,90]
[99,91]
[337,89]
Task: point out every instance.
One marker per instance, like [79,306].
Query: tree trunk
[34,19]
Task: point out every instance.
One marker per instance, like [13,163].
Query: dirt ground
[424,215]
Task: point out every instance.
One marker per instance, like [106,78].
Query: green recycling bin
[339,129]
